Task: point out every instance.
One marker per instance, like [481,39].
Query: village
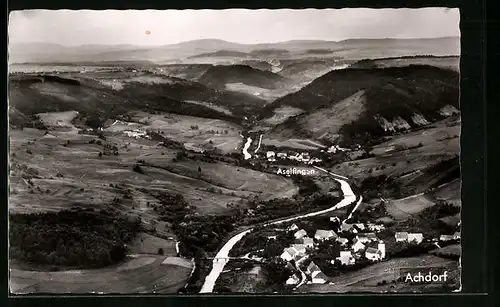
[359,242]
[304,157]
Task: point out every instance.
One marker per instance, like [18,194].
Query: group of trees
[202,234]
[306,185]
[277,208]
[276,274]
[172,207]
[81,238]
[380,186]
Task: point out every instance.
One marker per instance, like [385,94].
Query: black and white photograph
[235,151]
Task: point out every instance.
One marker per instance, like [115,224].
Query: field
[439,132]
[454,250]
[401,209]
[365,280]
[397,163]
[264,93]
[450,192]
[143,274]
[90,185]
[224,135]
[240,280]
[281,114]
[148,244]
[211,105]
[305,144]
[60,120]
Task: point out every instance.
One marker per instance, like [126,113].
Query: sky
[155,27]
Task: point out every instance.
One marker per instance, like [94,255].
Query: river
[220,259]
[245,149]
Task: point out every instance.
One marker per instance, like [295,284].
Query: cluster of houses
[299,157]
[137,134]
[446,238]
[336,148]
[365,244]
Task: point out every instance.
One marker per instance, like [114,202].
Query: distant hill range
[352,48]
[218,76]
[30,94]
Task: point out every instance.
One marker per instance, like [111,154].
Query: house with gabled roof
[312,267]
[348,228]
[346,258]
[415,237]
[317,276]
[308,242]
[293,227]
[373,254]
[322,235]
[401,236]
[357,246]
[375,227]
[445,238]
[300,234]
[282,155]
[300,248]
[334,219]
[371,236]
[456,235]
[363,239]
[342,241]
[289,254]
[293,280]
[360,226]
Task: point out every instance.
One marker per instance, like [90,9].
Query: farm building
[289,254]
[360,226]
[317,276]
[300,234]
[348,228]
[308,242]
[373,254]
[342,241]
[346,258]
[282,155]
[322,235]
[300,248]
[401,236]
[445,238]
[357,246]
[415,237]
[270,154]
[293,280]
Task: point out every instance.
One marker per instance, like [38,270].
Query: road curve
[219,262]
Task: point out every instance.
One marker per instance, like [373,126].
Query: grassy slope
[145,274]
[388,93]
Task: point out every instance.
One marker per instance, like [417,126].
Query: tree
[100,154]
[137,168]
[199,169]
[160,251]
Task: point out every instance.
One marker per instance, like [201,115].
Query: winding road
[220,260]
